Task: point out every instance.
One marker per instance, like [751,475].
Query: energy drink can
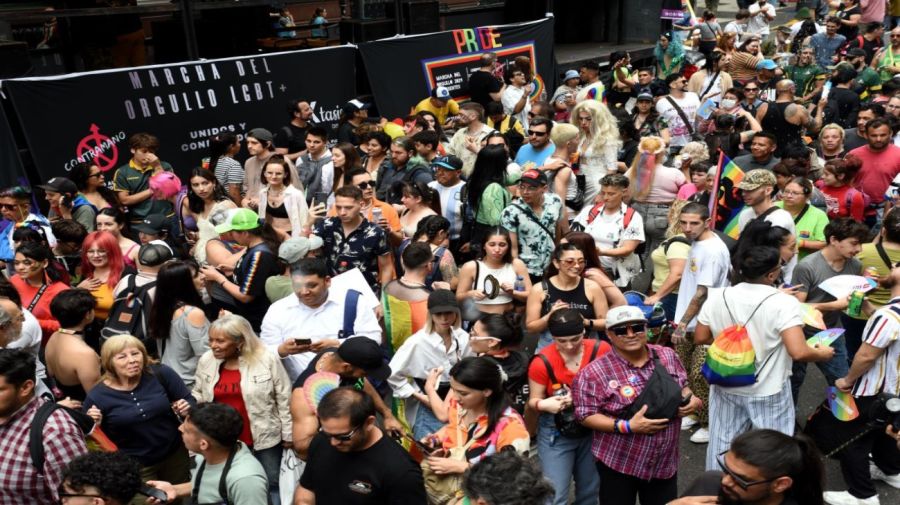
[854,308]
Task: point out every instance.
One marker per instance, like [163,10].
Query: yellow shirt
[442,113]
[104,297]
[660,258]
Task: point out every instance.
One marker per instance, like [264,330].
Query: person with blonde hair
[139,405]
[831,142]
[598,144]
[238,370]
[564,161]
[654,187]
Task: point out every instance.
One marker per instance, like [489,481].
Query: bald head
[785,86]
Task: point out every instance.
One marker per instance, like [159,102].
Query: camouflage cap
[757,178]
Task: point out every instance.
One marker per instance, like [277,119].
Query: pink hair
[106,241]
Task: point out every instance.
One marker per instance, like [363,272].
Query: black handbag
[565,421]
[661,395]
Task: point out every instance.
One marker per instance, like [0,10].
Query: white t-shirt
[450,204]
[776,314]
[759,22]
[510,97]
[780,218]
[678,130]
[609,229]
[707,265]
[882,331]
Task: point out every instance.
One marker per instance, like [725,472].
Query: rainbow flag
[731,359]
[727,204]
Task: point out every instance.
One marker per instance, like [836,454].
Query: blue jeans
[833,369]
[270,459]
[669,302]
[563,458]
[853,331]
[426,423]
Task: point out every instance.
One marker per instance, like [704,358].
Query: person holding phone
[67,203]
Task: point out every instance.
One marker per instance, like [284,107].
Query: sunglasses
[536,134]
[6,206]
[622,331]
[572,261]
[365,185]
[740,481]
[751,89]
[344,437]
[98,174]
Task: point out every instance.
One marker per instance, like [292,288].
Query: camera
[885,411]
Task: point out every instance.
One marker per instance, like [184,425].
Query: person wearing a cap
[153,227]
[449,186]
[440,103]
[67,203]
[756,189]
[353,114]
[466,142]
[636,454]
[826,45]
[867,79]
[534,221]
[357,362]
[290,141]
[132,180]
[239,371]
[563,98]
[290,252]
[440,344]
[260,145]
[516,96]
[550,381]
[483,87]
[247,285]
[151,257]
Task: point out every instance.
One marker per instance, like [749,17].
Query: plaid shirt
[20,483]
[607,386]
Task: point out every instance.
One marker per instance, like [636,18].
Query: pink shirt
[877,172]
[872,10]
[686,191]
[665,186]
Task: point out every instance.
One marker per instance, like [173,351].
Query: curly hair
[604,127]
[114,474]
[506,478]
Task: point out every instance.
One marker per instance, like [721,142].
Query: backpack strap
[884,255]
[436,268]
[594,212]
[629,213]
[681,114]
[350,302]
[766,213]
[672,240]
[36,435]
[550,374]
[751,314]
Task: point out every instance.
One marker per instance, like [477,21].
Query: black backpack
[130,312]
[36,433]
[514,139]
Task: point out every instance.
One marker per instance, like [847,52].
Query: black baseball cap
[60,185]
[154,224]
[442,300]
[365,353]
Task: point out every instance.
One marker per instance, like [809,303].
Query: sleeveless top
[576,298]
[278,212]
[504,274]
[129,261]
[775,122]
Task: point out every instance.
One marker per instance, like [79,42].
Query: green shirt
[810,227]
[134,180]
[869,257]
[246,481]
[278,287]
[803,77]
[494,199]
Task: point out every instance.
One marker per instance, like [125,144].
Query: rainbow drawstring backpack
[731,360]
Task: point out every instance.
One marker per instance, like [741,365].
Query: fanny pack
[661,394]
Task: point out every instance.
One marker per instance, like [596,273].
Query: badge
[613,384]
[632,379]
[804,234]
[693,265]
[627,391]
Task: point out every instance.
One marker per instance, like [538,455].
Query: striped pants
[731,414]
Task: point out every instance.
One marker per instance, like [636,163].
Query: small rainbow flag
[727,204]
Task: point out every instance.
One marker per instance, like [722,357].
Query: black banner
[403,70]
[89,116]
[13,173]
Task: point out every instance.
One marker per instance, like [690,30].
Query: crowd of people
[523,298]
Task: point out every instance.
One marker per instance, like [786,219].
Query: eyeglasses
[98,174]
[622,331]
[98,252]
[536,134]
[572,261]
[792,193]
[740,481]
[345,437]
[365,185]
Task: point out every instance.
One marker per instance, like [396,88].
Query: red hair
[106,241]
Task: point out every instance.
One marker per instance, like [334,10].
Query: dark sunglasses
[98,174]
[622,331]
[740,481]
[6,206]
[365,185]
[344,437]
[536,134]
[751,89]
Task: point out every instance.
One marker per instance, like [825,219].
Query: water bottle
[520,284]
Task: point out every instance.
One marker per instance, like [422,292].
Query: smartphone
[303,341]
[321,197]
[426,449]
[686,400]
[153,492]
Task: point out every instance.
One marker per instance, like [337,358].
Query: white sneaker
[700,436]
[845,498]
[890,480]
[688,422]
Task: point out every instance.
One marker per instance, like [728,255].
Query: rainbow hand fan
[318,385]
[825,337]
[811,317]
[841,404]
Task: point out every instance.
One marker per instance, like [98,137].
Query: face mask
[727,103]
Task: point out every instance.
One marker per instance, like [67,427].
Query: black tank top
[774,122]
[576,298]
[279,212]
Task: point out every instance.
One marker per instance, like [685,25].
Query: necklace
[70,332]
[410,283]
